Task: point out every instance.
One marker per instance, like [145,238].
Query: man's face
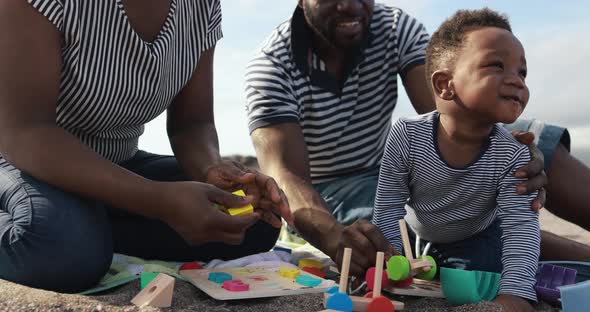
[342,23]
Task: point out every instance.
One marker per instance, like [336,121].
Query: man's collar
[301,45]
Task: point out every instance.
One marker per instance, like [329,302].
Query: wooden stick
[378,275]
[405,239]
[345,269]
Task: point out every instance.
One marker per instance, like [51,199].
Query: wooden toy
[236,285]
[463,287]
[379,303]
[549,278]
[400,267]
[575,298]
[158,293]
[263,281]
[308,281]
[315,271]
[145,278]
[340,300]
[373,302]
[418,288]
[190,266]
[241,211]
[310,263]
[219,277]
[288,272]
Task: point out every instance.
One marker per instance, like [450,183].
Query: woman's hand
[533,171]
[188,207]
[268,199]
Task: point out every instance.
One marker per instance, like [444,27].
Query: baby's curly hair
[448,38]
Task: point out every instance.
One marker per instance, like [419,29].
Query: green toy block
[431,273]
[146,278]
[398,268]
[464,287]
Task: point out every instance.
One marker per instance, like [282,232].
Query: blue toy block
[308,281]
[277,248]
[219,277]
[575,298]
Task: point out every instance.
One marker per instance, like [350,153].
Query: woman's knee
[261,237]
[51,239]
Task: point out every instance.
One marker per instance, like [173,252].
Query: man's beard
[327,33]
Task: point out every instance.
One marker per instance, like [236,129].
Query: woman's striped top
[445,204]
[112,81]
[344,127]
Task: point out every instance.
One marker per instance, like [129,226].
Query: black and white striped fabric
[112,81]
[344,127]
[444,204]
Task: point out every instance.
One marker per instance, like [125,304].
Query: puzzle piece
[308,281]
[146,278]
[288,272]
[241,211]
[158,293]
[191,266]
[219,277]
[310,263]
[315,271]
[236,285]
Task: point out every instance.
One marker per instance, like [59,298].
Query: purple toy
[550,277]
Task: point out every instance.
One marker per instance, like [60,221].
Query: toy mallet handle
[378,275]
[405,239]
[345,269]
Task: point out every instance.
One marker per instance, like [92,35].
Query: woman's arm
[193,137]
[30,68]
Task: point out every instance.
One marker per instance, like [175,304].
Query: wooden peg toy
[339,300]
[158,293]
[379,303]
[375,302]
[400,267]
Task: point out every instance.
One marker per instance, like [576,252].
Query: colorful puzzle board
[263,281]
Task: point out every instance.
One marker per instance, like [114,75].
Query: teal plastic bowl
[464,287]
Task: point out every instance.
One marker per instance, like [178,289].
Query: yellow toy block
[288,272]
[310,263]
[241,211]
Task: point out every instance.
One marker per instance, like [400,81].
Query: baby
[450,173]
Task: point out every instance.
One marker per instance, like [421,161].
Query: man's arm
[418,91]
[282,154]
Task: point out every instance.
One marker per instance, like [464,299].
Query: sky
[553,33]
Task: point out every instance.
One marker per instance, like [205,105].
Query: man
[320,97]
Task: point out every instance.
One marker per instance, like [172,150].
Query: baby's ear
[442,84]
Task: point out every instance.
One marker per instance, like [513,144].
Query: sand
[15,297]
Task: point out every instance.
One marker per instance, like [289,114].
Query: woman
[78,80]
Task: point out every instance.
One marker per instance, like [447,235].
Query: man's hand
[268,198]
[511,303]
[533,171]
[365,239]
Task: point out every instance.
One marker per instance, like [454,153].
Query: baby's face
[489,75]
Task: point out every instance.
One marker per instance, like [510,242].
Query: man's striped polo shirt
[344,125]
